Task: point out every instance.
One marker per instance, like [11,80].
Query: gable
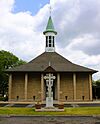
[49,69]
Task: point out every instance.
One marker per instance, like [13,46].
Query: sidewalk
[55,102]
[66,104]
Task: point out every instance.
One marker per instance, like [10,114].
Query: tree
[96,89]
[96,83]
[7,60]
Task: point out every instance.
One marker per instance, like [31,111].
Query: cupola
[50,36]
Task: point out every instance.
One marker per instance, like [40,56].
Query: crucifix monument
[49,95]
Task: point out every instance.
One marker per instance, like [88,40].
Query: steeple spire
[50,36]
[50,27]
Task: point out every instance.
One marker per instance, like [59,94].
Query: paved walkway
[55,102]
[49,120]
[66,104]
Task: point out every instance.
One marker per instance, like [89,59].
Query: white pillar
[42,87]
[74,85]
[58,86]
[10,86]
[26,82]
[90,85]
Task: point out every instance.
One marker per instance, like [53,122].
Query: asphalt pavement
[49,120]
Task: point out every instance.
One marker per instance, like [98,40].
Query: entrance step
[74,105]
[30,106]
[9,105]
[49,110]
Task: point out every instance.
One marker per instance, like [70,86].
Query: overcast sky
[77,22]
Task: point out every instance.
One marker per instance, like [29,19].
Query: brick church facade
[73,82]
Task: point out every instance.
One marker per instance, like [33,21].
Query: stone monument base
[49,102]
[46,109]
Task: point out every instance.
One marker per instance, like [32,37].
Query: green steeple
[50,27]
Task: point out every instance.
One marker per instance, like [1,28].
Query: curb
[71,116]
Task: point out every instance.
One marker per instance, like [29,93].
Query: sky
[29,5]
[77,22]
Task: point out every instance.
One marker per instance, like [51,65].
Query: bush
[4,98]
[60,106]
[38,105]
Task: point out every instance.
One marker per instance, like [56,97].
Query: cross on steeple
[50,9]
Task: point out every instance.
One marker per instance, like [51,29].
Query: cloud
[6,6]
[89,44]
[20,33]
[77,24]
[78,18]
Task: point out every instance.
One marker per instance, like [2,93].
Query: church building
[71,82]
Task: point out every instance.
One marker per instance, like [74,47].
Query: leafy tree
[93,83]
[7,60]
[96,83]
[96,89]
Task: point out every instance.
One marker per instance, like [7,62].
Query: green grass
[68,111]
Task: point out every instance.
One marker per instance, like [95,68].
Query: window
[53,41]
[49,37]
[49,41]
[46,41]
[34,98]
[49,44]
[17,97]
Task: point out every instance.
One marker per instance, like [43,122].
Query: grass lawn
[68,111]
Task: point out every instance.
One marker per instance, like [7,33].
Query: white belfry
[49,83]
[50,34]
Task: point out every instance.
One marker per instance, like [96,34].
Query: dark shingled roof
[53,60]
